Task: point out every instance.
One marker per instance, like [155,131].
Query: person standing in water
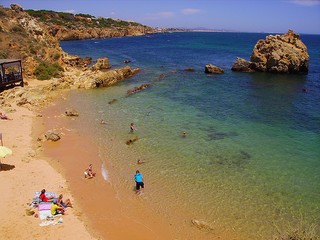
[89,172]
[138,177]
[132,127]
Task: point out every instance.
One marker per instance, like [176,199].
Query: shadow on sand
[6,167]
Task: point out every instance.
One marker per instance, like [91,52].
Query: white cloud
[69,11]
[305,2]
[189,11]
[160,15]
[113,13]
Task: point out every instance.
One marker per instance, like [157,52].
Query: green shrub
[85,15]
[3,54]
[47,71]
[3,13]
[18,29]
[66,16]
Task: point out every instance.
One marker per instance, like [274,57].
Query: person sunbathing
[89,172]
[56,209]
[44,198]
[63,204]
[3,116]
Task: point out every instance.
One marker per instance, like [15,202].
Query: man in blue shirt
[139,181]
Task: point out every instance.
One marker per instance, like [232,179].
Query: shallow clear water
[251,160]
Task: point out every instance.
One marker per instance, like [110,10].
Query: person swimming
[184,134]
[140,162]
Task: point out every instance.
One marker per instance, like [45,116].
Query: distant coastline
[190,30]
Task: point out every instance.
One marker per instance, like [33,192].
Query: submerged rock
[71,113]
[202,225]
[112,101]
[52,136]
[237,160]
[131,141]
[138,89]
[215,135]
[189,70]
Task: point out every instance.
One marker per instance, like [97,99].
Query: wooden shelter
[10,72]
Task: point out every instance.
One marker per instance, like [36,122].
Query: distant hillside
[68,26]
[78,20]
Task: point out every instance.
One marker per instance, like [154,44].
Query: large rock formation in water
[280,53]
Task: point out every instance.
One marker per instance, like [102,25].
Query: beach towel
[36,199]
[44,214]
[48,194]
[44,206]
[51,222]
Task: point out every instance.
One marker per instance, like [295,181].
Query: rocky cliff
[23,37]
[33,36]
[68,26]
[280,53]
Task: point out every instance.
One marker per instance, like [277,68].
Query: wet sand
[107,214]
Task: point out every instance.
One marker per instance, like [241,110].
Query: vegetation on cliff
[69,26]
[78,20]
[47,71]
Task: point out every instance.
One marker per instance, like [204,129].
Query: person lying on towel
[44,198]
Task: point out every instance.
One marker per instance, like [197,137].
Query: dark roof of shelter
[9,60]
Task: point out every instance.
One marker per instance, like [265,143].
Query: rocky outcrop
[212,69]
[76,61]
[51,136]
[242,65]
[89,79]
[280,53]
[138,89]
[16,7]
[101,64]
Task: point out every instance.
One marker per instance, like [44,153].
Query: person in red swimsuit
[44,198]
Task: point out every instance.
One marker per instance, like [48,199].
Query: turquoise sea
[251,160]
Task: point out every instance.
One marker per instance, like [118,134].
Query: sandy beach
[29,170]
[22,174]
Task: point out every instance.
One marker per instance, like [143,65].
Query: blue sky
[302,16]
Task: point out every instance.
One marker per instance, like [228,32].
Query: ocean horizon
[250,162]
